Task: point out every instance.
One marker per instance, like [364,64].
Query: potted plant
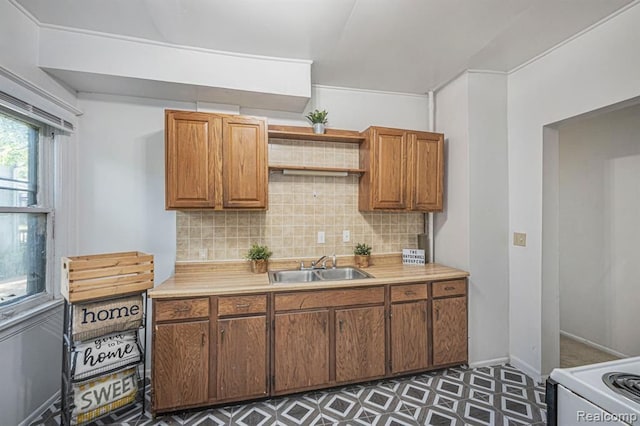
[362,253]
[259,257]
[318,119]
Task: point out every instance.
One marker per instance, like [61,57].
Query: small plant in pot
[318,119]
[259,257]
[362,253]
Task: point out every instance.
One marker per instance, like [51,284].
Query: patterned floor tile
[495,395]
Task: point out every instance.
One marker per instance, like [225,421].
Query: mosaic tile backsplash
[299,207]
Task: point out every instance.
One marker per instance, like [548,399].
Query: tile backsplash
[299,207]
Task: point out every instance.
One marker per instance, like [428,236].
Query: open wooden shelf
[306,133]
[281,167]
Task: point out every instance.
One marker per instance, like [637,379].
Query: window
[25,214]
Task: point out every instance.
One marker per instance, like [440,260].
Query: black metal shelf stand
[68,347]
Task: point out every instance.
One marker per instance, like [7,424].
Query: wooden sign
[108,316]
[97,397]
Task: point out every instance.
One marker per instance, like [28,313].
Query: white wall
[597,69]
[31,350]
[599,171]
[472,231]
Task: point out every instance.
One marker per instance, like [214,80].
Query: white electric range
[607,393]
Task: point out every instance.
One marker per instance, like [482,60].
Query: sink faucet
[334,261]
[314,265]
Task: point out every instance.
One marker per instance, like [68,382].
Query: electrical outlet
[520,239]
[320,237]
[203,253]
[346,236]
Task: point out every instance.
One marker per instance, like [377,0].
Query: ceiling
[409,46]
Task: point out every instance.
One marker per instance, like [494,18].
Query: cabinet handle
[222,335]
[203,339]
[450,288]
[324,325]
[340,323]
[182,309]
[409,293]
[242,305]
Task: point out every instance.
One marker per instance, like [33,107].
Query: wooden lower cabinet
[181,364]
[450,330]
[301,350]
[242,358]
[360,343]
[218,349]
[409,336]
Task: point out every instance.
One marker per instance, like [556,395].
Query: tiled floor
[499,395]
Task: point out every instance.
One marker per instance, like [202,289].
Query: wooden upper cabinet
[384,186]
[404,170]
[244,169]
[427,166]
[215,161]
[191,152]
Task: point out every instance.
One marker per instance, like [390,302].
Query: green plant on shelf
[317,117]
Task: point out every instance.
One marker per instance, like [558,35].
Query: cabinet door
[389,168]
[181,364]
[359,343]
[301,350]
[427,155]
[244,169]
[191,151]
[409,342]
[449,330]
[242,357]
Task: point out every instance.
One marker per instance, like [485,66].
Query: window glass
[23,220]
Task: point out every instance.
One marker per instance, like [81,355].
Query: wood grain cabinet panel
[190,159]
[215,161]
[449,330]
[409,337]
[427,164]
[178,309]
[404,170]
[360,343]
[242,357]
[181,364]
[301,350]
[244,169]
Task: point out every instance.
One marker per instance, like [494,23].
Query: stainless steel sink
[311,275]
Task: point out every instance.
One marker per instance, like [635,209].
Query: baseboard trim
[489,362]
[526,369]
[593,344]
[38,412]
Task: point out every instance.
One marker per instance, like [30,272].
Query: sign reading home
[108,316]
[413,257]
[103,354]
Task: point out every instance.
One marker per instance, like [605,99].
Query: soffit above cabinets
[403,46]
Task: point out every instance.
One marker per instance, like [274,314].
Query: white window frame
[28,306]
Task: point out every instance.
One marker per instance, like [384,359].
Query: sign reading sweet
[96,397]
[108,316]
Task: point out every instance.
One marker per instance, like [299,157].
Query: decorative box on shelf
[104,335]
[105,275]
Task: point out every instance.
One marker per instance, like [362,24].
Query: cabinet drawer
[326,298]
[401,293]
[449,288]
[239,305]
[167,310]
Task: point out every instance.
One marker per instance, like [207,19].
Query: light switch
[320,237]
[519,239]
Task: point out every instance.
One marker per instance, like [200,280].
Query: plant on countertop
[258,252]
[318,117]
[259,257]
[362,253]
[362,250]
